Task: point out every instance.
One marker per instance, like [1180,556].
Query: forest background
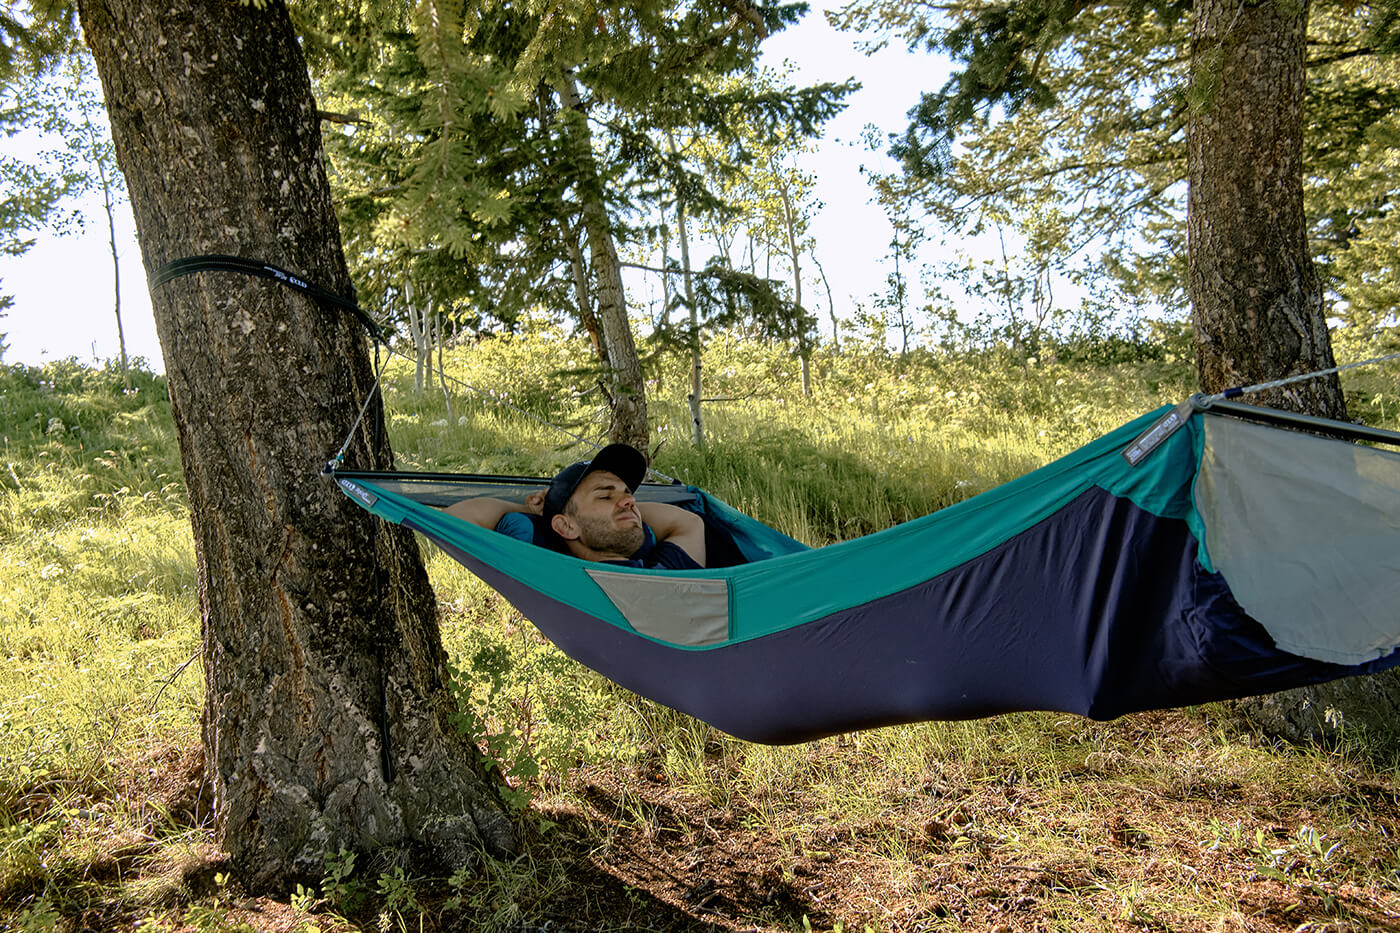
[1085,229]
[855,230]
[913,376]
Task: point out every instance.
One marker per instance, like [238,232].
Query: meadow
[635,817]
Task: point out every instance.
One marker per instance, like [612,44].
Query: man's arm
[681,527]
[488,512]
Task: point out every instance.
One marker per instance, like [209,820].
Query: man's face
[605,515]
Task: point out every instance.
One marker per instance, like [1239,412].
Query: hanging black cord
[220,263]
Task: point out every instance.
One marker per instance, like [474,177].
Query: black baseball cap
[621,460]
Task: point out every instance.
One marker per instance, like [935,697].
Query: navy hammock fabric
[1232,559]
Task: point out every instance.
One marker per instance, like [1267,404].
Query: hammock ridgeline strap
[1238,391]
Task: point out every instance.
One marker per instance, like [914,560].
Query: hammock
[1235,558]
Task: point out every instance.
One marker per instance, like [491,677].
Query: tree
[903,244]
[745,182]
[627,398]
[535,144]
[1255,296]
[1257,308]
[1102,151]
[90,146]
[328,720]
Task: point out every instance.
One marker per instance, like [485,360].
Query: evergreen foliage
[33,45]
[467,155]
[1066,124]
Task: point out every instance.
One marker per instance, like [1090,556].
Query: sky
[64,304]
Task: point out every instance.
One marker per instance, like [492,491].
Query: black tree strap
[218,263]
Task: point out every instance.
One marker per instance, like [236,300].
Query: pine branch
[331,116]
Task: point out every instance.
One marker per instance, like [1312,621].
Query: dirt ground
[621,849]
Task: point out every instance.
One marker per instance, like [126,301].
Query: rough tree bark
[1257,303]
[326,721]
[1256,300]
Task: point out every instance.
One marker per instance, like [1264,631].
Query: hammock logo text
[359,493]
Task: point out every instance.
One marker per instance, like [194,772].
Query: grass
[637,817]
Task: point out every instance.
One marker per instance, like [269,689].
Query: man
[591,508]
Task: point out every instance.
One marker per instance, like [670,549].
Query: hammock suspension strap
[217,262]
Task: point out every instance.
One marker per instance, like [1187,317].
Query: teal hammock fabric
[1233,559]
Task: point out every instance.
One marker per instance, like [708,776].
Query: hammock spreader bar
[1177,418]
[215,262]
[1289,419]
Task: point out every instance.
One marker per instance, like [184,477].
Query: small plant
[338,885]
[214,918]
[39,917]
[398,897]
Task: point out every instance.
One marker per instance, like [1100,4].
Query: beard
[602,534]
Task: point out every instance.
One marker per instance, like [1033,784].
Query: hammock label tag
[359,493]
[1161,429]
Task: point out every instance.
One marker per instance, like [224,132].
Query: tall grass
[98,611]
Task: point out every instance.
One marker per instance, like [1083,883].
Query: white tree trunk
[697,418]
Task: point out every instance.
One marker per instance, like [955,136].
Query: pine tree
[1098,161]
[544,177]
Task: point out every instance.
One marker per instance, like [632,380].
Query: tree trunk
[327,719]
[830,308]
[1257,304]
[664,321]
[442,364]
[109,209]
[579,270]
[628,402]
[688,283]
[804,350]
[416,324]
[582,301]
[697,360]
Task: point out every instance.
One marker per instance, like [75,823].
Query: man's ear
[564,527]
